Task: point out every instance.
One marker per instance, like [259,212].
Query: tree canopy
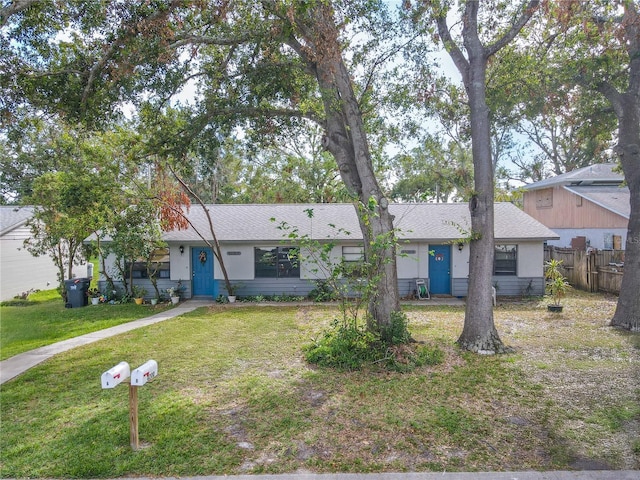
[220,92]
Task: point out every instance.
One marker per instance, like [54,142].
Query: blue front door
[202,270]
[440,269]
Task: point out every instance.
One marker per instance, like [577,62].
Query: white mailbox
[144,373]
[115,375]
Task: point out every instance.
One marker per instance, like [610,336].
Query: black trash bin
[77,289]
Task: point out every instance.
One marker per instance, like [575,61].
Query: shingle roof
[12,217]
[601,172]
[612,197]
[423,221]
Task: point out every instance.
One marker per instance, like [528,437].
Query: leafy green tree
[75,180]
[565,125]
[603,48]
[28,151]
[69,208]
[55,231]
[480,39]
[134,234]
[432,173]
[300,171]
[265,67]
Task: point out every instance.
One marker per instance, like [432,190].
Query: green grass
[234,396]
[614,417]
[43,320]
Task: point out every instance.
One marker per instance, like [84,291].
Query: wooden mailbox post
[139,377]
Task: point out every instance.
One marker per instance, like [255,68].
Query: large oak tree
[606,54]
[262,66]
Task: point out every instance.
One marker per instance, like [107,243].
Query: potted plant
[94,294]
[138,294]
[174,292]
[556,284]
[231,292]
[173,295]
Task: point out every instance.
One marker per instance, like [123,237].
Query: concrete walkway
[14,366]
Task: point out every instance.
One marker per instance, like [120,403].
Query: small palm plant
[556,283]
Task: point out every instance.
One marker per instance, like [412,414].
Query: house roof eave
[590,198]
[598,173]
[11,228]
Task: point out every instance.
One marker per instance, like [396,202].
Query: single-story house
[257,256]
[587,207]
[19,270]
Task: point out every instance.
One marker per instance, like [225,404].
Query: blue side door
[202,270]
[440,270]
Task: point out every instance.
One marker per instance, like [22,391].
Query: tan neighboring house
[588,207]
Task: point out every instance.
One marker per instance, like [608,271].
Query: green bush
[323,292]
[349,346]
[397,332]
[343,346]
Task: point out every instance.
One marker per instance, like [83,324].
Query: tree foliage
[431,173]
[72,201]
[534,96]
[266,67]
[603,49]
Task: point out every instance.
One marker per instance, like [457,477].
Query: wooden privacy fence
[591,271]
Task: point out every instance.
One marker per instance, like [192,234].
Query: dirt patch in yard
[589,378]
[570,397]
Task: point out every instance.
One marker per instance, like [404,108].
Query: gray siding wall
[506,286]
[270,287]
[407,287]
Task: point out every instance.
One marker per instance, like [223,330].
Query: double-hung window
[506,260]
[352,254]
[353,261]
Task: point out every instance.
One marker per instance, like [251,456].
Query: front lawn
[43,320]
[234,396]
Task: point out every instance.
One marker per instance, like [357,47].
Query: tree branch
[14,7]
[450,46]
[613,95]
[205,40]
[380,61]
[257,112]
[514,30]
[131,31]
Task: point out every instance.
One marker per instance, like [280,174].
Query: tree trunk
[627,313]
[346,139]
[479,333]
[627,108]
